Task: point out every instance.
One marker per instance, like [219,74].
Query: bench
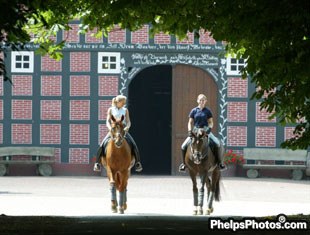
[41,156]
[275,158]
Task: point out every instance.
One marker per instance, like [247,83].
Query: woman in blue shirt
[201,117]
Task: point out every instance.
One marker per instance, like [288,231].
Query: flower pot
[231,171]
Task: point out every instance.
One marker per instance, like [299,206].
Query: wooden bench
[41,156]
[275,158]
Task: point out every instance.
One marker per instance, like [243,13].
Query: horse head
[198,145]
[117,131]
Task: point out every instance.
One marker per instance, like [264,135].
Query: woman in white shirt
[118,109]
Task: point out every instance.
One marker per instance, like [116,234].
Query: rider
[201,117]
[117,110]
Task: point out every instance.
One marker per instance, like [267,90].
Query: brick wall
[117,35]
[140,36]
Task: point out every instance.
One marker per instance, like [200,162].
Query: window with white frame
[109,62]
[234,66]
[22,61]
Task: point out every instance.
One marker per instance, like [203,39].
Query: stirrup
[138,167]
[182,168]
[97,167]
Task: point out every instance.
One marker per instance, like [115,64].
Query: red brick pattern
[50,64]
[140,36]
[102,132]
[50,133]
[51,85]
[188,40]
[262,115]
[78,155]
[162,38]
[21,133]
[103,106]
[117,35]
[79,109]
[206,38]
[79,85]
[72,36]
[237,111]
[237,136]
[22,85]
[50,109]
[289,133]
[79,61]
[22,109]
[108,86]
[90,37]
[79,134]
[237,87]
[265,137]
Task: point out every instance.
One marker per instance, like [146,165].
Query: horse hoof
[114,209]
[194,212]
[209,211]
[200,212]
[121,211]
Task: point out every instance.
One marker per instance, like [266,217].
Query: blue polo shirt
[200,116]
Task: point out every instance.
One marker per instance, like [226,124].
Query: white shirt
[118,112]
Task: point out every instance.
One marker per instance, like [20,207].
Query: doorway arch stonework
[191,75]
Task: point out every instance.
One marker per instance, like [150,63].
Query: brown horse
[118,161]
[201,162]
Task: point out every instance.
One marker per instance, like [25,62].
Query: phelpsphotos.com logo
[280,223]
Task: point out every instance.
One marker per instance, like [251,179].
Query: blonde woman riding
[118,110]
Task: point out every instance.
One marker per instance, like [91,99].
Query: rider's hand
[207,130]
[190,134]
[126,129]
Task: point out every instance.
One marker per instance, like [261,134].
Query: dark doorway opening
[149,103]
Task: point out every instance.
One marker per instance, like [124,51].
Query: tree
[273,37]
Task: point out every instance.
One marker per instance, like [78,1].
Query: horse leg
[201,194]
[195,193]
[214,191]
[122,193]
[113,197]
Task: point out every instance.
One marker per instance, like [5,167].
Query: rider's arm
[210,123]
[190,124]
[128,123]
[108,120]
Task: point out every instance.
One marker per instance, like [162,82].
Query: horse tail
[118,179]
[217,193]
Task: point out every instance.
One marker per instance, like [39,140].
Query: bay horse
[201,162]
[118,162]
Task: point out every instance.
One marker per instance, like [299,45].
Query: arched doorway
[160,99]
[149,103]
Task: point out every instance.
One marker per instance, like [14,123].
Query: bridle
[117,132]
[197,154]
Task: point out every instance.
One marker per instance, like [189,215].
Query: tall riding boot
[135,151]
[220,156]
[97,166]
[182,166]
[101,153]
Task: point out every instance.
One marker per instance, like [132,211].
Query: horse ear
[122,118]
[113,118]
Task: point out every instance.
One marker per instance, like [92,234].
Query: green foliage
[273,36]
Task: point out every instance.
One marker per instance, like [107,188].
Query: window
[234,66]
[22,62]
[108,62]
